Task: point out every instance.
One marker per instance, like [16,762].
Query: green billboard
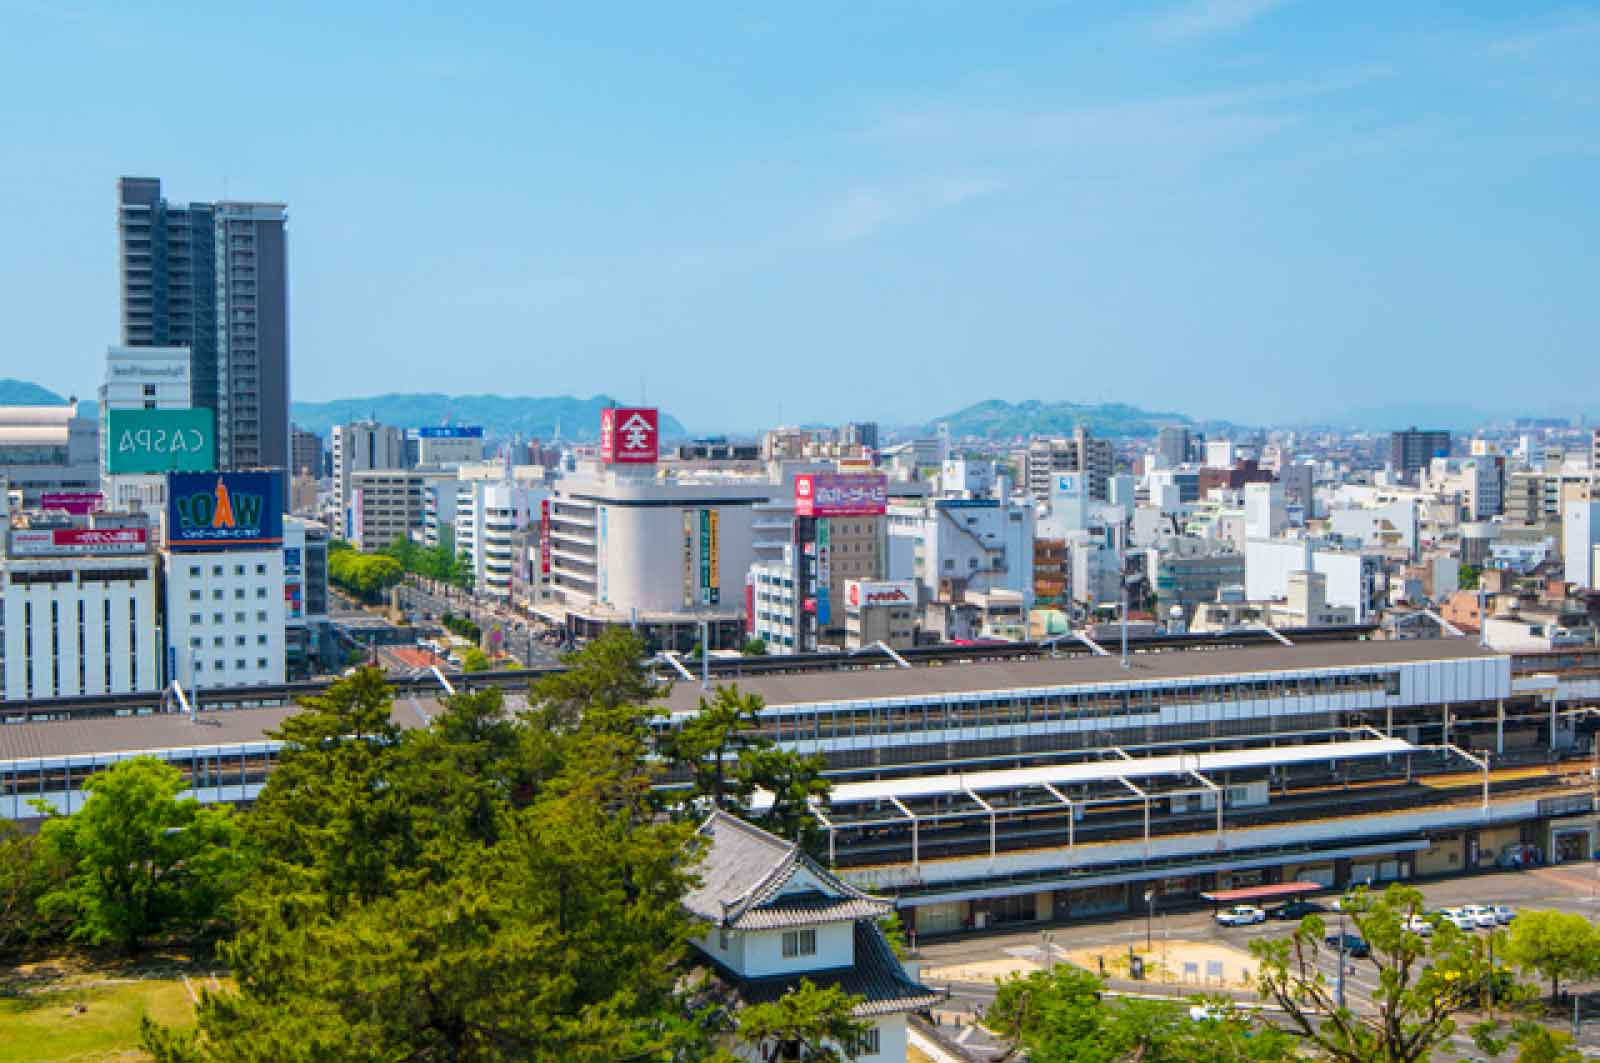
[160,441]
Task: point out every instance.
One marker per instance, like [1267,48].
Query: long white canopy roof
[1107,771]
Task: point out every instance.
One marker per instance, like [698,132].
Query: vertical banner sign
[714,565]
[824,571]
[688,559]
[544,537]
[705,557]
[749,604]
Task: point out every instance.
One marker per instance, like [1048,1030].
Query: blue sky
[1266,210]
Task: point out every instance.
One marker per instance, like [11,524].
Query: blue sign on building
[451,431]
[224,510]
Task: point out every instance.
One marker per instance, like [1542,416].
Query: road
[1569,887]
[522,635]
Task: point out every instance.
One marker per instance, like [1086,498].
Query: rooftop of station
[978,676]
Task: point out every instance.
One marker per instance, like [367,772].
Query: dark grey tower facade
[213,277]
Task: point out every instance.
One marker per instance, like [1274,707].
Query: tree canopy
[143,861]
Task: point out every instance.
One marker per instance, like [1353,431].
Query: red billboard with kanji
[832,494]
[629,435]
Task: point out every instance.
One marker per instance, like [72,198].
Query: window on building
[194,618]
[218,641]
[194,570]
[799,943]
[238,618]
[261,592]
[261,616]
[261,569]
[238,640]
[216,618]
[196,641]
[216,595]
[261,663]
[194,595]
[239,664]
[216,570]
[220,665]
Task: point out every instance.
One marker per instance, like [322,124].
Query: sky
[1270,211]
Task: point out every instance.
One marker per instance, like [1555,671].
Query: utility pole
[1338,985]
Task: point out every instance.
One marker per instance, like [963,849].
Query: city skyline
[1151,205]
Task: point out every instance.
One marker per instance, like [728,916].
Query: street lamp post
[1149,918]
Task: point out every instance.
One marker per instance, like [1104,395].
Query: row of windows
[217,593]
[238,570]
[239,665]
[221,640]
[218,618]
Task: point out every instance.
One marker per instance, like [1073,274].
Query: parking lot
[967,965]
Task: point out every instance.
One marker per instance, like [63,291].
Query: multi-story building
[1082,454]
[305,453]
[1186,572]
[385,505]
[953,545]
[1580,533]
[662,554]
[213,277]
[50,451]
[224,578]
[863,434]
[1411,450]
[79,608]
[149,427]
[489,514]
[448,445]
[356,447]
[307,638]
[1177,445]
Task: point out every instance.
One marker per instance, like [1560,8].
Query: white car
[1420,926]
[1503,913]
[1241,915]
[1461,919]
[1482,916]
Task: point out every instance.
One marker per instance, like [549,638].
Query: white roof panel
[1111,770]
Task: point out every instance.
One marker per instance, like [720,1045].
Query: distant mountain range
[499,415]
[998,419]
[24,393]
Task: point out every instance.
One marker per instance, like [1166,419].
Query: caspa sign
[865,594]
[629,435]
[156,441]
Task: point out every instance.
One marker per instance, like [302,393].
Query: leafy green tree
[475,660]
[1554,945]
[29,870]
[605,686]
[1060,1016]
[806,1023]
[144,862]
[710,743]
[754,648]
[1469,577]
[793,779]
[1423,983]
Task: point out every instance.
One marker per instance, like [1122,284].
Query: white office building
[80,609]
[48,450]
[953,545]
[1580,533]
[488,514]
[225,616]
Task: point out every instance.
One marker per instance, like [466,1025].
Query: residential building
[950,546]
[359,446]
[1411,450]
[767,915]
[80,609]
[50,451]
[489,514]
[213,277]
[1081,454]
[1186,572]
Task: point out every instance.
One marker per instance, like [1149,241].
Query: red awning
[1263,893]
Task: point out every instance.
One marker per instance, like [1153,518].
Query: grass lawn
[42,1027]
